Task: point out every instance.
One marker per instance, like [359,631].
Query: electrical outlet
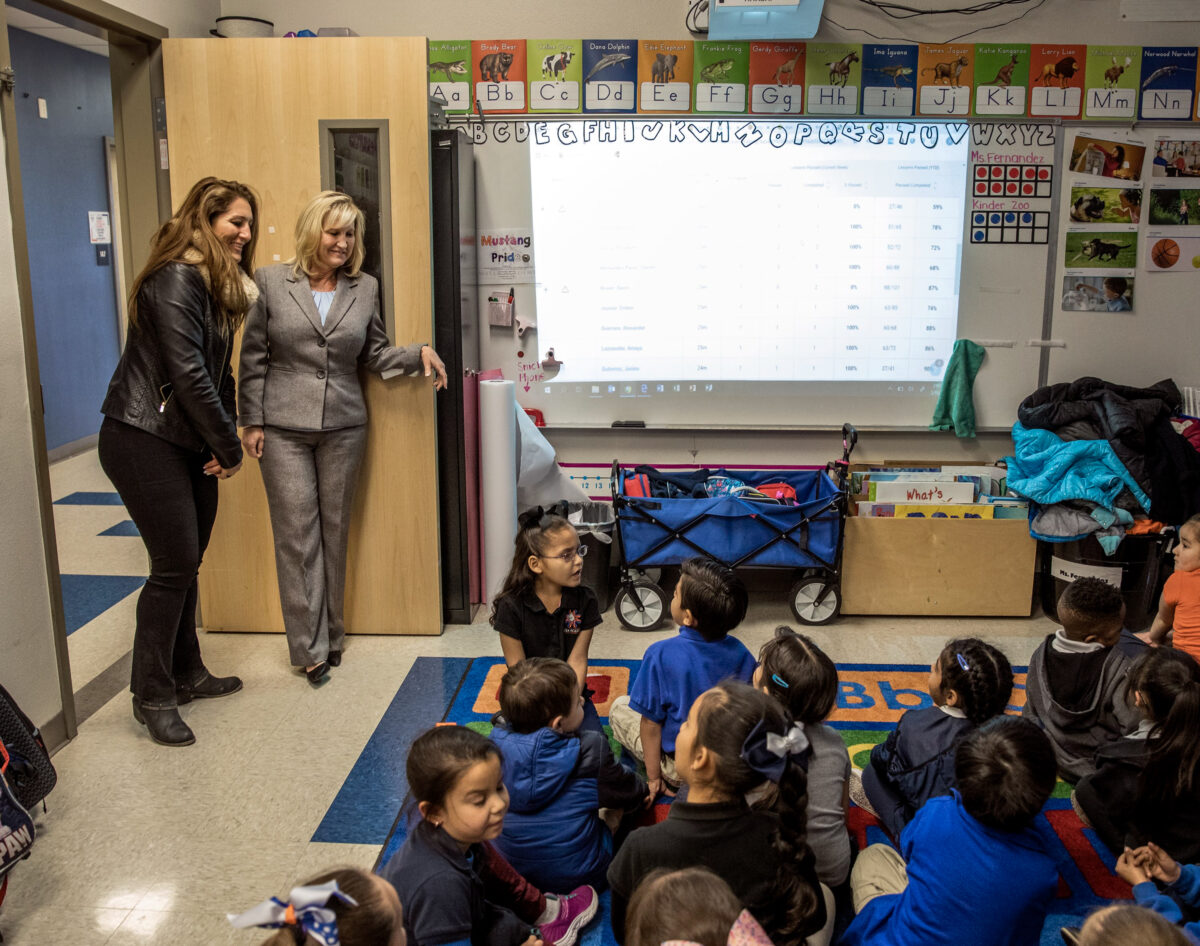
[696,17]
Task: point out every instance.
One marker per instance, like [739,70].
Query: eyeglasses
[569,555]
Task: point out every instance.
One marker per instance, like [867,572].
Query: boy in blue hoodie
[557,778]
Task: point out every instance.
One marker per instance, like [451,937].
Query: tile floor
[143,844]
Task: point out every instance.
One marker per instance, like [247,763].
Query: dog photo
[1103,250]
[1105,205]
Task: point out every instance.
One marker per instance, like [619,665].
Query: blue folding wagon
[668,527]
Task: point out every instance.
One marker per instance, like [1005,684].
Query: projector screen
[786,262]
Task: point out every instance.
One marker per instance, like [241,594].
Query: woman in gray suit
[316,322]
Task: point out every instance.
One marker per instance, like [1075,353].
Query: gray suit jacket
[296,373]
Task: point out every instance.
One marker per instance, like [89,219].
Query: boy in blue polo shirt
[709,602]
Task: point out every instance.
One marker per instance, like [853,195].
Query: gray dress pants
[310,476]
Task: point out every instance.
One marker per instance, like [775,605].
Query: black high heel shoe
[319,674]
[335,658]
[165,726]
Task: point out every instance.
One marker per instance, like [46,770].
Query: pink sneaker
[575,911]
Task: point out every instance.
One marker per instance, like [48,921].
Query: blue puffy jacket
[556,783]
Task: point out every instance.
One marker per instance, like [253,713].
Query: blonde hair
[1118,925]
[189,231]
[328,209]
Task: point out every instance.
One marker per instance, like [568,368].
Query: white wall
[28,666]
[1078,21]
[184,18]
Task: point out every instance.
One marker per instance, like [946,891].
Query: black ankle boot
[165,726]
[206,688]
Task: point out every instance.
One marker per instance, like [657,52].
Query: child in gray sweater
[1076,681]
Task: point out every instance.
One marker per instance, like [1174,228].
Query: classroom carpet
[372,806]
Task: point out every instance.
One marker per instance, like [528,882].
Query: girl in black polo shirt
[543,610]
[734,739]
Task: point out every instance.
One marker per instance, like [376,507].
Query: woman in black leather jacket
[169,433]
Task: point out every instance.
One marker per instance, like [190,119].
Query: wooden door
[249,109]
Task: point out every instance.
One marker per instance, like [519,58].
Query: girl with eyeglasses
[543,609]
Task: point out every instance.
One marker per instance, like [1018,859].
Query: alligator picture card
[721,76]
[610,72]
[1168,83]
[555,74]
[777,78]
[500,70]
[889,80]
[945,75]
[1110,81]
[1056,80]
[1001,79]
[832,78]
[664,75]
[449,69]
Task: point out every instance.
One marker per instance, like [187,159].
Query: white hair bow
[793,742]
[307,908]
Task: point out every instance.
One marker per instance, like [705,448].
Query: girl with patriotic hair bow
[342,907]
[734,738]
[689,907]
[804,681]
[543,608]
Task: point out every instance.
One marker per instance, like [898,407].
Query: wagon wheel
[807,604]
[641,605]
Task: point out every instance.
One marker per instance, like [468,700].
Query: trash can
[1139,567]
[595,521]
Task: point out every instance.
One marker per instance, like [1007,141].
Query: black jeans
[173,503]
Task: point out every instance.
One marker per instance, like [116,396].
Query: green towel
[955,408]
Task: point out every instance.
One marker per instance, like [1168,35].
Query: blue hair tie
[962,662]
[780,681]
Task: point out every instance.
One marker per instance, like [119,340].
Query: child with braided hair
[970,683]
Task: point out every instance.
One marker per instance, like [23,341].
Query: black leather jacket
[174,378]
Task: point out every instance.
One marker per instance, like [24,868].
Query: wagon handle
[849,439]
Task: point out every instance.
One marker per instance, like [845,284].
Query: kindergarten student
[542,610]
[1075,688]
[1179,606]
[1141,868]
[692,906]
[557,778]
[709,602]
[970,682]
[972,868]
[1146,786]
[359,909]
[455,887]
[1123,925]
[733,739]
[798,674]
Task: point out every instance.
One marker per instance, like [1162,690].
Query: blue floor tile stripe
[123,528]
[90,499]
[88,596]
[366,807]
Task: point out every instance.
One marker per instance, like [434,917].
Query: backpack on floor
[16,827]
[30,773]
